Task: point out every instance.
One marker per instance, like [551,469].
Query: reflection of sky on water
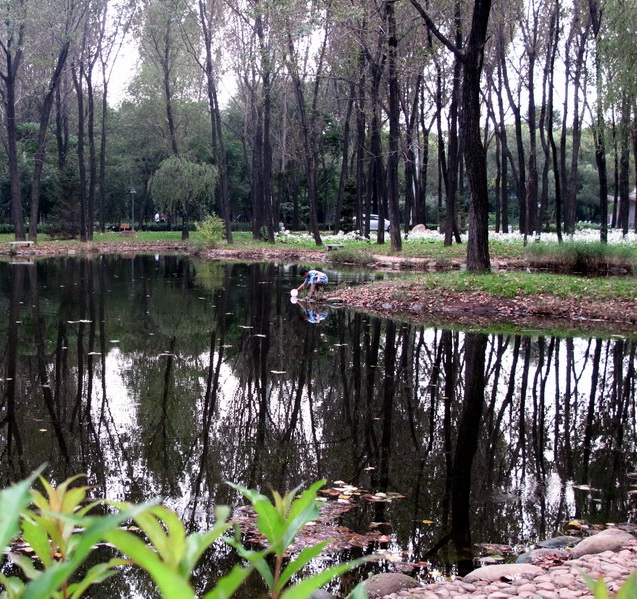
[294,403]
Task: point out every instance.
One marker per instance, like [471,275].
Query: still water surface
[162,376]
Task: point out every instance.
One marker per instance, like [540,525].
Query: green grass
[512,284]
[583,257]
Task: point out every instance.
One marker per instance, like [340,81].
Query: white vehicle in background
[373,222]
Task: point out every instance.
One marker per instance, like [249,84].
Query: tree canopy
[316,114]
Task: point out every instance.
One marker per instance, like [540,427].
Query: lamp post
[132,208]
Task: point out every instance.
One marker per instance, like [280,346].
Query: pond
[163,376]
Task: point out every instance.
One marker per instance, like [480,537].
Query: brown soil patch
[410,301]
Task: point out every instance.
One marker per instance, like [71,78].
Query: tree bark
[40,154]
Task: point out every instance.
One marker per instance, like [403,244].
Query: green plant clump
[211,231]
[350,256]
[580,257]
[62,530]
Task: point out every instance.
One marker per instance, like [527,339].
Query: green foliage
[182,186]
[585,258]
[280,520]
[62,529]
[354,256]
[628,590]
[211,230]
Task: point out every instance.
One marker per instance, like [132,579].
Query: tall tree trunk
[40,153]
[13,54]
[308,138]
[81,159]
[599,127]
[394,130]
[216,130]
[570,200]
[624,165]
[344,174]
[92,155]
[478,259]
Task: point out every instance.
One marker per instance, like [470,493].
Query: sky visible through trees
[461,115]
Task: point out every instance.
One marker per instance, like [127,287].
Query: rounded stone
[502,572]
[611,539]
[381,585]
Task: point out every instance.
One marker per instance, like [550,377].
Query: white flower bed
[430,235]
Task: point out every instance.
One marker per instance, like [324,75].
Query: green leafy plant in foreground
[49,526]
[280,521]
[598,587]
[59,526]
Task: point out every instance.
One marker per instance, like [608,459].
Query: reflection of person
[313,316]
[314,278]
[309,315]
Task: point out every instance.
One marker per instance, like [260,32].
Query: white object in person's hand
[294,292]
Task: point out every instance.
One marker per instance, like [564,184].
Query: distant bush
[350,256]
[582,257]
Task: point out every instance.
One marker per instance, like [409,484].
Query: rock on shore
[523,581]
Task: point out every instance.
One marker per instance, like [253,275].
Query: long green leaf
[257,558]
[98,573]
[197,544]
[307,555]
[169,582]
[307,586]
[227,586]
[303,510]
[359,592]
[36,536]
[269,521]
[13,500]
[95,531]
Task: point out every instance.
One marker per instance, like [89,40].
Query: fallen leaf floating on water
[585,488]
[427,521]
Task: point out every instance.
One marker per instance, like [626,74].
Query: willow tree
[184,188]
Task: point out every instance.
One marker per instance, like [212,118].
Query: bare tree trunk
[13,54]
[394,130]
[478,259]
[599,126]
[77,82]
[40,153]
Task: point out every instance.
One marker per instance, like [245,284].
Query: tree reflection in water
[166,377]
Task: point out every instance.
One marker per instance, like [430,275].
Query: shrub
[211,230]
[582,257]
[350,256]
[62,529]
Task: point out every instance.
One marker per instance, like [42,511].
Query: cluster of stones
[610,554]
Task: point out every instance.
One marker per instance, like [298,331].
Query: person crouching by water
[314,278]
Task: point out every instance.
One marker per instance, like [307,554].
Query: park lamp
[132,208]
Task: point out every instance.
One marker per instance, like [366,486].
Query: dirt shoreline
[404,299]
